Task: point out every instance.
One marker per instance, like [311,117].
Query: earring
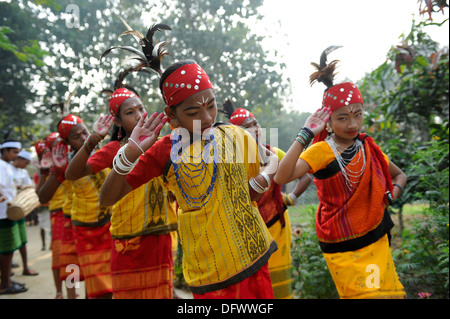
[119,134]
[173,124]
[329,128]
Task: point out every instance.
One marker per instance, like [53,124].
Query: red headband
[336,97]
[184,82]
[117,98]
[239,116]
[51,138]
[67,123]
[341,95]
[40,147]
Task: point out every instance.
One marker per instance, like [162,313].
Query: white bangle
[130,139]
[255,185]
[266,176]
[293,197]
[122,163]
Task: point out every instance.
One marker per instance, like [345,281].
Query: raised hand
[103,124]
[317,121]
[60,155]
[46,160]
[146,132]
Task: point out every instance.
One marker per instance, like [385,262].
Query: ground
[42,286]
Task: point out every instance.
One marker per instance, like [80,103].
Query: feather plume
[64,106]
[121,76]
[325,71]
[227,108]
[151,54]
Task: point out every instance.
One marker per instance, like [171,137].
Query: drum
[24,203]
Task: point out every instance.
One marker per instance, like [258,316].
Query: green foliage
[426,244]
[215,33]
[312,279]
[408,115]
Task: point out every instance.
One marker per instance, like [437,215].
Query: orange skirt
[68,251]
[93,246]
[57,225]
[257,286]
[142,267]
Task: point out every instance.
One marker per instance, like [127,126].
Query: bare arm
[291,167]
[144,134]
[48,189]
[302,185]
[399,178]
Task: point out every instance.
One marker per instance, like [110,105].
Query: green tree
[408,114]
[215,33]
[21,57]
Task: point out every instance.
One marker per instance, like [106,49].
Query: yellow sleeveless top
[68,197]
[86,208]
[57,201]
[149,209]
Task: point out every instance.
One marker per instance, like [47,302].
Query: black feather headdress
[151,54]
[325,71]
[228,108]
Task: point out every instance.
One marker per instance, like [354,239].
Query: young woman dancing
[141,222]
[213,172]
[354,185]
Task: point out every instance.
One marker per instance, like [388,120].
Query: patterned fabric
[57,201]
[11,235]
[148,209]
[57,222]
[280,263]
[225,240]
[67,188]
[343,215]
[142,267]
[367,273]
[256,286]
[270,204]
[68,255]
[86,208]
[276,217]
[93,246]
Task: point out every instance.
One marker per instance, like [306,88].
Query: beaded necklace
[186,164]
[351,174]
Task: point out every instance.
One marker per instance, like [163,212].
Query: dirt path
[42,286]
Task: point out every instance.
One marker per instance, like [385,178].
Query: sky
[366,30]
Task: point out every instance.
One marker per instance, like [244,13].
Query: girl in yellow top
[91,221]
[354,185]
[273,207]
[52,189]
[141,222]
[225,242]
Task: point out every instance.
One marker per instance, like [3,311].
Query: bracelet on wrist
[140,148]
[256,186]
[266,177]
[97,135]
